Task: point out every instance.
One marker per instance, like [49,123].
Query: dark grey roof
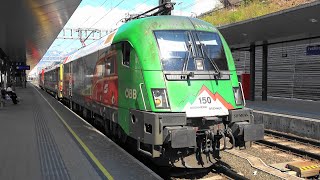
[299,22]
[28,27]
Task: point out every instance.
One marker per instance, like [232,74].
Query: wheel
[122,135]
[84,113]
[107,127]
[70,104]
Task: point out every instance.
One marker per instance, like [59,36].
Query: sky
[107,14]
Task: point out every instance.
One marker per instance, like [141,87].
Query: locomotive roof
[50,68]
[139,26]
[95,46]
[165,23]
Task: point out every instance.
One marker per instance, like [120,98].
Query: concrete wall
[304,127]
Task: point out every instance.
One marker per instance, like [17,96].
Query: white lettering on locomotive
[106,88]
[131,93]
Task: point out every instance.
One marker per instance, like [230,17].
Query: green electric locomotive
[168,83]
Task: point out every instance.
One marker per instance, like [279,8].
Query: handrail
[144,103]
[244,101]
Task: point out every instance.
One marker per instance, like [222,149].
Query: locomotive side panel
[66,80]
[81,79]
[41,79]
[51,79]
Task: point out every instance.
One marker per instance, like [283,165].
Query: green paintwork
[145,67]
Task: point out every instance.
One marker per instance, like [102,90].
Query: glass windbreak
[182,50]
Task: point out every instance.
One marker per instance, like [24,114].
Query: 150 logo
[205,100]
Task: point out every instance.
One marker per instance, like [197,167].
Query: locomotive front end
[197,102]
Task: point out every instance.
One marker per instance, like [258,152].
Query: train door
[67,81]
[126,92]
[132,91]
[56,81]
[60,81]
[70,80]
[65,88]
[41,79]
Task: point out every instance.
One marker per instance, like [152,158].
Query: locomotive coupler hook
[211,141]
[207,133]
[220,132]
[230,135]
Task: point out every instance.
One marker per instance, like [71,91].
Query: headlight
[160,98]
[238,96]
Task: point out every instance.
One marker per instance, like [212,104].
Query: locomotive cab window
[182,50]
[126,47]
[210,47]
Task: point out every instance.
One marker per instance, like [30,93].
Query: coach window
[126,47]
[110,66]
[100,69]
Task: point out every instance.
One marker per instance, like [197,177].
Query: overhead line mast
[82,34]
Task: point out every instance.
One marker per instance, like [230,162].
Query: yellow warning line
[310,167]
[85,147]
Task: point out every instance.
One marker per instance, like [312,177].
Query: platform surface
[41,139]
[295,107]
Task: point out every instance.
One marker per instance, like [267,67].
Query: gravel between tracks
[269,155]
[243,167]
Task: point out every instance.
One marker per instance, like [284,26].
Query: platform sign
[313,50]
[23,67]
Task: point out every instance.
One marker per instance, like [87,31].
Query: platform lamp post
[3,66]
[1,69]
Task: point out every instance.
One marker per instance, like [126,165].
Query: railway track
[216,171]
[299,146]
[221,170]
[228,172]
[294,138]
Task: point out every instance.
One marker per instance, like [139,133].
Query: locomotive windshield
[180,50]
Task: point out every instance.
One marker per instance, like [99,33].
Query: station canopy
[300,22]
[28,27]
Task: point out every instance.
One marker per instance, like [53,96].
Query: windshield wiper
[214,64]
[186,60]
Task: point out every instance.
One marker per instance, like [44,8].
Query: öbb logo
[131,93]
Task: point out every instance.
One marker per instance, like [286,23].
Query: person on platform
[12,94]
